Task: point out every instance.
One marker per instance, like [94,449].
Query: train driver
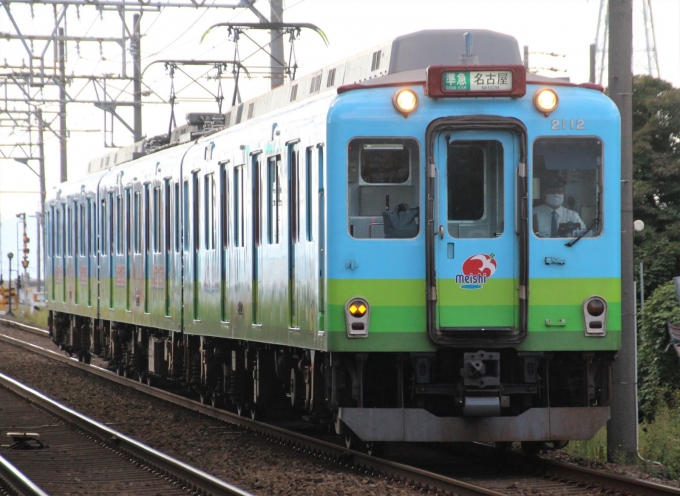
[551,219]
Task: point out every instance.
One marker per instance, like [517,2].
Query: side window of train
[383,188]
[238,206]
[60,230]
[146,209]
[136,222]
[166,216]
[121,223]
[110,225]
[195,221]
[82,243]
[103,245]
[567,187]
[128,220]
[49,233]
[224,206]
[475,188]
[92,227]
[69,233]
[294,193]
[309,168]
[209,211]
[274,200]
[157,221]
[178,231]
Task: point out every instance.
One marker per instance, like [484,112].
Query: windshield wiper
[593,224]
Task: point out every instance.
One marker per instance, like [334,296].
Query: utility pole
[41,162]
[593,62]
[136,50]
[62,107]
[276,45]
[622,427]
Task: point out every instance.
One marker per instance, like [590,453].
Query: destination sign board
[471,81]
[477,81]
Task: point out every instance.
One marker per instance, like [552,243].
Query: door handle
[440,232]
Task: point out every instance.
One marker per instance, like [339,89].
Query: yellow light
[546,100]
[357,308]
[405,101]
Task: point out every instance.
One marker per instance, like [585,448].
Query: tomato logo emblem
[476,270]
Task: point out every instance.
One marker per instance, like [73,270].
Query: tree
[656,172]
[658,366]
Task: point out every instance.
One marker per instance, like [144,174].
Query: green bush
[658,364]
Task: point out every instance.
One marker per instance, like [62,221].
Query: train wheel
[255,413]
[204,397]
[240,409]
[149,380]
[215,400]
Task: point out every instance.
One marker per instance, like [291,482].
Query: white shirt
[544,216]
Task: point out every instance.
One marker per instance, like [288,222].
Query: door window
[474,184]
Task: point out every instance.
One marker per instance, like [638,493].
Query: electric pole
[622,427]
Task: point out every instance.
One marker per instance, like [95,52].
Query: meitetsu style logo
[476,270]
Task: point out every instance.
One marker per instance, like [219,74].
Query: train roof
[402,60]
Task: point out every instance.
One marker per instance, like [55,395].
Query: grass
[658,444]
[593,449]
[37,318]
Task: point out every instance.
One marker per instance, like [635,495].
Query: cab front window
[567,187]
[383,188]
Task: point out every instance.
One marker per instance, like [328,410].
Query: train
[420,243]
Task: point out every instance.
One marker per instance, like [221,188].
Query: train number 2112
[557,124]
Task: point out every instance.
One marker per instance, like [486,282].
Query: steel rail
[24,327]
[17,480]
[197,478]
[567,471]
[552,468]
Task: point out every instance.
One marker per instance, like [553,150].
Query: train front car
[473,247]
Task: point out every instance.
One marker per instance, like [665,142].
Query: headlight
[357,312]
[405,101]
[595,316]
[545,100]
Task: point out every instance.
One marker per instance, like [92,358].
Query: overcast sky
[562,27]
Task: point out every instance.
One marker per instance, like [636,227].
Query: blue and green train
[419,243]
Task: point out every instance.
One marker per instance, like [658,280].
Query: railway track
[62,452]
[483,471]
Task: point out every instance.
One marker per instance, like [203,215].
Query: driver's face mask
[554,200]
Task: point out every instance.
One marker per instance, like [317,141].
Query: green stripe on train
[398,318]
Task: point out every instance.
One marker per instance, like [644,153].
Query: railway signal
[26,240]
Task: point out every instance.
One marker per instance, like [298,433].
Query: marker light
[357,309]
[357,317]
[545,100]
[595,316]
[405,101]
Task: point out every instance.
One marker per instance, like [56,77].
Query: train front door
[475,258]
